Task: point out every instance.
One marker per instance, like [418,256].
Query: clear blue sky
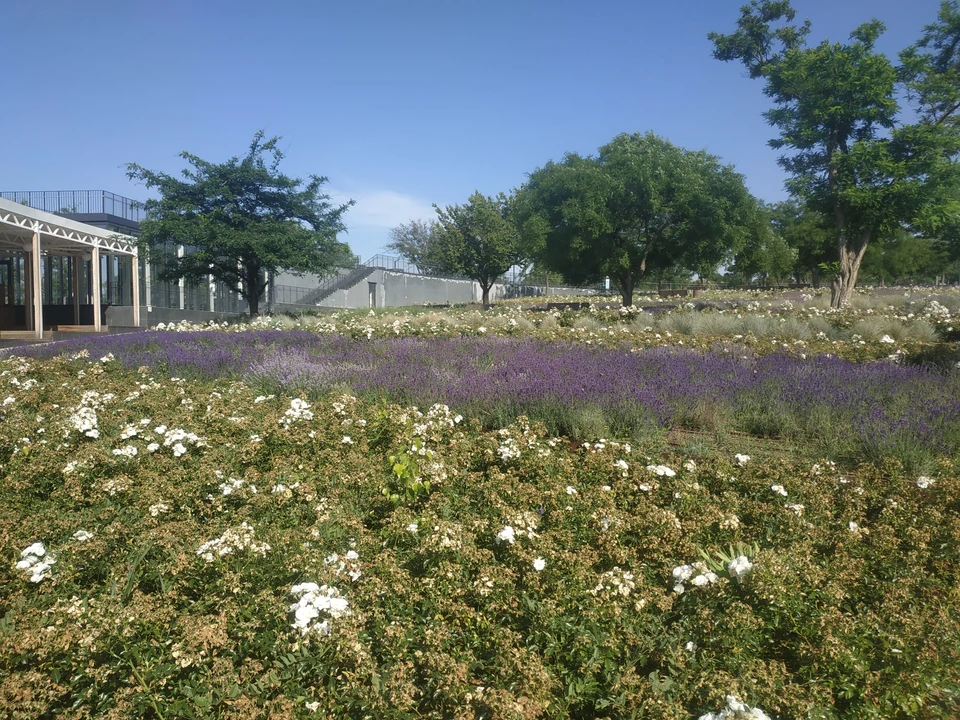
[400,104]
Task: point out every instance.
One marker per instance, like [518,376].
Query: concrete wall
[392,289]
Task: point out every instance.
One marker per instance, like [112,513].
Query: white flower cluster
[506,535]
[158,509]
[699,572]
[779,490]
[84,420]
[233,540]
[316,605]
[519,437]
[615,582]
[35,562]
[299,410]
[128,451]
[736,710]
[741,459]
[740,567]
[661,470]
[623,467]
[923,482]
[347,564]
[175,438]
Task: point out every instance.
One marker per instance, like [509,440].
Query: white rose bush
[183,539]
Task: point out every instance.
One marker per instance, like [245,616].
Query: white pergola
[34,233]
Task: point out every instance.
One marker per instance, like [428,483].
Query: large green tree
[478,239]
[240,220]
[835,107]
[642,205]
[930,70]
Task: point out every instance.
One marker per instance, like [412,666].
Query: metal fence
[78,202]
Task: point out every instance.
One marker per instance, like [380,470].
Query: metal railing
[78,202]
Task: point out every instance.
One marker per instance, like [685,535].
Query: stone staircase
[330,285]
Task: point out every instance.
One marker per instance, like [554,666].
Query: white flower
[683,572]
[539,564]
[741,459]
[506,535]
[82,535]
[571,490]
[413,527]
[854,528]
[923,482]
[887,339]
[661,470]
[740,567]
[346,440]
[690,466]
[690,646]
[153,447]
[313,706]
[779,490]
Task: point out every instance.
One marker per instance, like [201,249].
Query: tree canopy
[478,239]
[641,205]
[241,219]
[836,110]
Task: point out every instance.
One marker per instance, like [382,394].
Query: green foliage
[849,609]
[836,111]
[479,239]
[416,242]
[641,206]
[239,220]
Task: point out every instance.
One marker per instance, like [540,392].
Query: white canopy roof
[58,235]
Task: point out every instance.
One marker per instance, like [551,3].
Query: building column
[182,283]
[27,290]
[37,287]
[147,284]
[135,275]
[95,272]
[212,285]
[75,277]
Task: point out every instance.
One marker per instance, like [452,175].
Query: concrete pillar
[75,277]
[95,266]
[27,289]
[148,284]
[212,284]
[182,284]
[37,288]
[135,274]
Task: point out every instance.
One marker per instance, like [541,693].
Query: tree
[641,206]
[903,258]
[766,255]
[240,220]
[808,234]
[478,239]
[836,113]
[416,242]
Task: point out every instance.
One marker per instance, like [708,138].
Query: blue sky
[400,104]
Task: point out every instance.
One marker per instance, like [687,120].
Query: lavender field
[869,411]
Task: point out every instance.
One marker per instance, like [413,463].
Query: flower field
[461,514]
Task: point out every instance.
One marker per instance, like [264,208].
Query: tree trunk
[486,293]
[625,284]
[851,255]
[254,290]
